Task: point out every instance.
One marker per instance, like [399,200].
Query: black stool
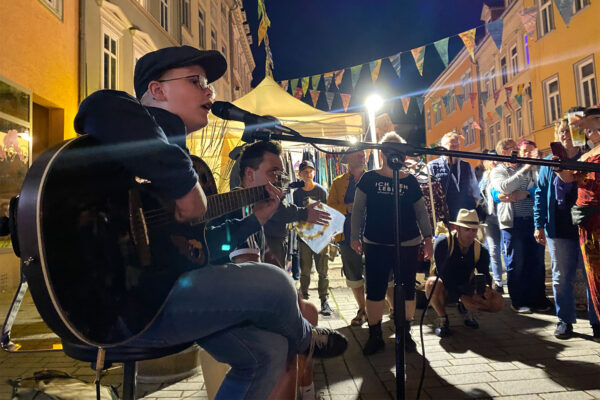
[128,356]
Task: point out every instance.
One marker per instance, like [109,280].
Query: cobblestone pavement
[510,357]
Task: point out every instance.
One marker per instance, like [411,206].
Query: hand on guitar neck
[192,205]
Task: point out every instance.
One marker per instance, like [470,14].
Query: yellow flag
[468,38]
[304,84]
[262,29]
[375,66]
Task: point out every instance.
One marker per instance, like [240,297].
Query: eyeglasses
[198,80]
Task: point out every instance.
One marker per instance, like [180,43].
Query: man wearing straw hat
[461,263]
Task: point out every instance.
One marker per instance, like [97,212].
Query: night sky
[309,37]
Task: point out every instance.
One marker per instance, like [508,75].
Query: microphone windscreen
[221,109]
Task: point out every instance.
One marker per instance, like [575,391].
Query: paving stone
[521,374]
[578,395]
[530,386]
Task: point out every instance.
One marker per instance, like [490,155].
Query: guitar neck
[221,204]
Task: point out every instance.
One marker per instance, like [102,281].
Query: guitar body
[100,248]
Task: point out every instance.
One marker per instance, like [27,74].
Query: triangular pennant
[508,91]
[260,5]
[528,18]
[490,116]
[405,103]
[419,56]
[442,48]
[508,105]
[314,95]
[460,99]
[484,97]
[345,100]
[355,71]
[338,77]
[520,88]
[328,77]
[262,28]
[298,93]
[420,103]
[494,28]
[375,66]
[565,9]
[476,125]
[315,79]
[305,85]
[395,60]
[519,98]
[446,100]
[329,97]
[294,83]
[473,98]
[499,111]
[284,85]
[496,95]
[468,38]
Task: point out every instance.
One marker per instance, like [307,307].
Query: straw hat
[468,219]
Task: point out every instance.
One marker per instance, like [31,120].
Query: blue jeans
[524,260]
[493,242]
[566,258]
[245,315]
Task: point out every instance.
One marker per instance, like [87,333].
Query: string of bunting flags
[264,24]
[300,86]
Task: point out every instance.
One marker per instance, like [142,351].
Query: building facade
[118,32]
[504,78]
[564,63]
[451,104]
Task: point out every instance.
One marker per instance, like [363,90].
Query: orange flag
[468,38]
[375,66]
[345,100]
[490,116]
[314,95]
[405,104]
[419,56]
[338,77]
[262,29]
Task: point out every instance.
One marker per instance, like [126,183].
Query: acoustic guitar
[93,238]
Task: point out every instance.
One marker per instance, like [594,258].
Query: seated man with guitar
[245,315]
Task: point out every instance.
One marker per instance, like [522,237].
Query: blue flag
[494,28]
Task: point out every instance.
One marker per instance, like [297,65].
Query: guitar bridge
[138,228]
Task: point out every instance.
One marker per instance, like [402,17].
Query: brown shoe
[361,318]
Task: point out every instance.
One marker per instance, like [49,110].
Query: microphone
[228,111]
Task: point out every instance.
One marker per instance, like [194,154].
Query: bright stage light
[374,103]
[353,139]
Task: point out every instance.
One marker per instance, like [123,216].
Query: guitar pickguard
[191,249]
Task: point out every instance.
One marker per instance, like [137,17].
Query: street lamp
[373,104]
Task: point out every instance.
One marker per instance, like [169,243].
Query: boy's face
[307,174]
[185,98]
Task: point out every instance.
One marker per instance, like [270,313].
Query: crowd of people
[244,308]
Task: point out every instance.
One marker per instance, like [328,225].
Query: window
[185,13]
[201,30]
[437,113]
[530,111]
[519,120]
[514,60]
[469,132]
[109,61]
[164,14]
[578,5]
[552,102]
[526,47]
[492,140]
[428,120]
[585,80]
[467,84]
[56,6]
[545,22]
[508,126]
[493,77]
[504,71]
[213,39]
[451,102]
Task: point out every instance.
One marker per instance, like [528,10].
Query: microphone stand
[397,153]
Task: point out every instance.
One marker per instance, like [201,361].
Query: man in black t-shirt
[458,258]
[316,192]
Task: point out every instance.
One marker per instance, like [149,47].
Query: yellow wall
[40,53]
[455,120]
[557,52]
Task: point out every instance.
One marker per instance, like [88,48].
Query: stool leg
[129,378]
